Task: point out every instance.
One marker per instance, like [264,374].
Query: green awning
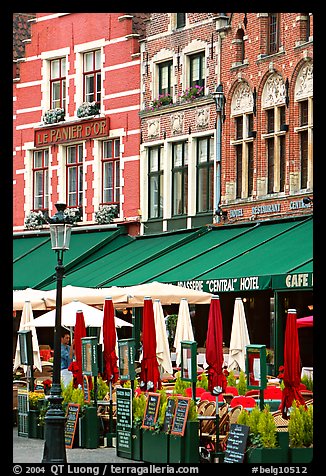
[36,268]
[273,254]
[118,264]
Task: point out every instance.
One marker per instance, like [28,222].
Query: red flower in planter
[281,371]
[47,383]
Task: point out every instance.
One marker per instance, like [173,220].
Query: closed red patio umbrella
[149,373]
[80,331]
[214,346]
[110,368]
[292,369]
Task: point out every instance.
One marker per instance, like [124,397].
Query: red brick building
[76,123]
[263,63]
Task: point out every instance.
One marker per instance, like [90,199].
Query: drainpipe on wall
[219,102]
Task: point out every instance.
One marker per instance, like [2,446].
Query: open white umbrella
[91,296]
[25,324]
[184,329]
[239,338]
[167,294]
[93,316]
[162,342]
[37,298]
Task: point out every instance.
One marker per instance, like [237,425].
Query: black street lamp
[218,96]
[54,447]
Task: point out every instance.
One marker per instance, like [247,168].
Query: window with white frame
[205,174]
[197,70]
[111,172]
[179,178]
[165,78]
[275,133]
[155,183]
[58,83]
[41,179]
[92,76]
[74,175]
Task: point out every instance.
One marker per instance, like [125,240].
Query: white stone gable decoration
[153,128]
[177,122]
[242,100]
[304,83]
[202,117]
[274,91]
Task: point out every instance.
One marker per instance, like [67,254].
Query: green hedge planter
[185,449]
[34,429]
[155,447]
[271,455]
[90,428]
[137,444]
[301,455]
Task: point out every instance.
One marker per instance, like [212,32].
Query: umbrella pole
[111,410]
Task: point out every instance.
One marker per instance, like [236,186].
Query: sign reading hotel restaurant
[247,283]
[67,132]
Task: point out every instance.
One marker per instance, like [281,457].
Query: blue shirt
[65,358]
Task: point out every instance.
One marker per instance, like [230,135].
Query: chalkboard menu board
[169,414]
[124,419]
[71,423]
[236,443]
[180,416]
[151,410]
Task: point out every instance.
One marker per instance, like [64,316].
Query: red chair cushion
[232,390]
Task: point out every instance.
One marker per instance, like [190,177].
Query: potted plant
[301,434]
[242,383]
[52,116]
[41,418]
[156,441]
[138,410]
[266,444]
[35,400]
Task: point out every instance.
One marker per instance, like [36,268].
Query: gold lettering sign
[59,134]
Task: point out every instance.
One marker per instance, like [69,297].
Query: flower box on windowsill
[87,109]
[52,116]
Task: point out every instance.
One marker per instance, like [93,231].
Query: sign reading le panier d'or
[67,132]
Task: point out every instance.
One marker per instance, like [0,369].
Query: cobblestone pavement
[30,450]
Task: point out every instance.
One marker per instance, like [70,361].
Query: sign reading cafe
[68,132]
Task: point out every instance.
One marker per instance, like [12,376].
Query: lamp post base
[54,433]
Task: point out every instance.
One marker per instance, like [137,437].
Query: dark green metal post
[54,447]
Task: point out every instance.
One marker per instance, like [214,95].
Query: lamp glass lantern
[60,236]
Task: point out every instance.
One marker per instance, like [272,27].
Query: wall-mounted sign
[89,356]
[25,347]
[126,351]
[124,420]
[67,132]
[256,366]
[189,361]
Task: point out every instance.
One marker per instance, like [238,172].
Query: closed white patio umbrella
[25,324]
[183,330]
[239,338]
[162,344]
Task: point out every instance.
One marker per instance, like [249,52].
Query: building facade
[76,123]
[194,130]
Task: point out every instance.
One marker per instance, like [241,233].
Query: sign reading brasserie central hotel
[57,134]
